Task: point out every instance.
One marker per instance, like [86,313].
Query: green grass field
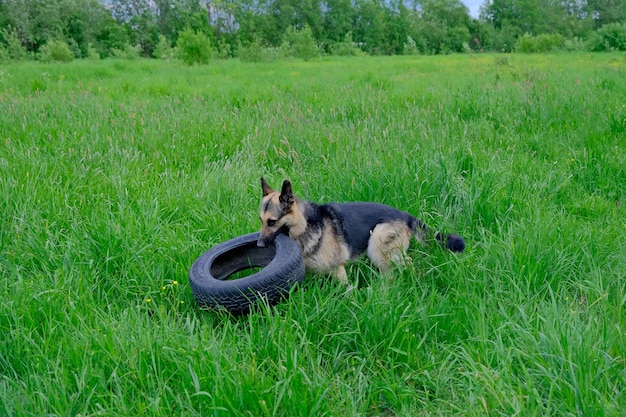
[116,175]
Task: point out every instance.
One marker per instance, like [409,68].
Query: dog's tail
[450,241]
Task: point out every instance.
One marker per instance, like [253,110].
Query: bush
[163,49]
[4,54]
[574,44]
[256,52]
[541,43]
[611,37]
[56,51]
[300,43]
[410,47]
[456,38]
[14,48]
[347,47]
[92,53]
[224,49]
[193,47]
[129,52]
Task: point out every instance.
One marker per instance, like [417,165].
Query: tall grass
[116,175]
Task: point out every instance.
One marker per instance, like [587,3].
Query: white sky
[473,6]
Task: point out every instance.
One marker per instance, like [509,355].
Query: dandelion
[174,282]
[148,300]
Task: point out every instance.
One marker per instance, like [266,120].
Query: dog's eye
[271,222]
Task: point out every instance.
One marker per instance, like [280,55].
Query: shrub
[456,38]
[410,47]
[574,44]
[256,52]
[14,48]
[128,52]
[253,52]
[541,43]
[92,53]
[224,49]
[4,54]
[610,37]
[56,51]
[347,47]
[163,49]
[193,47]
[300,43]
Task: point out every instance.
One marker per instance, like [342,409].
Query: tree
[35,21]
[369,27]
[606,11]
[300,43]
[193,47]
[444,26]
[337,20]
[396,27]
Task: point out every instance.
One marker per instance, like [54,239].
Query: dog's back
[360,219]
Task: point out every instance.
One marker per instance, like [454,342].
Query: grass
[116,175]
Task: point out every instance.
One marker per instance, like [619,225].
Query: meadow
[116,175]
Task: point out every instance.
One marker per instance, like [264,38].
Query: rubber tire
[283,267]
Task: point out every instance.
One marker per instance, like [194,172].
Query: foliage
[224,49]
[540,43]
[127,52]
[410,47]
[92,53]
[347,47]
[164,49]
[574,44]
[377,27]
[299,43]
[256,52]
[4,54]
[444,26]
[56,51]
[193,47]
[14,48]
[610,37]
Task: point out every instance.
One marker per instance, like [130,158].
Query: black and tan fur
[332,234]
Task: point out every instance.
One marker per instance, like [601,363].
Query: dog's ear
[266,188]
[286,196]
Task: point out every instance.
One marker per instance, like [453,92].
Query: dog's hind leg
[388,244]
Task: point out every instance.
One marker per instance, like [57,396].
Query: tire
[282,262]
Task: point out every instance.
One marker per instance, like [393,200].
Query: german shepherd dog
[332,234]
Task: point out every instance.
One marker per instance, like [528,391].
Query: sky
[473,6]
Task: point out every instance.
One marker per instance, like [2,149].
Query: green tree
[526,16]
[610,37]
[34,21]
[606,11]
[56,51]
[193,47]
[396,26]
[444,25]
[337,21]
[300,43]
[369,26]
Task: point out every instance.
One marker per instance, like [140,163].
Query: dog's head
[276,212]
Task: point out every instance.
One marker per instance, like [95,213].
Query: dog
[332,234]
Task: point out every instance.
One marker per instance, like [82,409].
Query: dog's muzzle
[266,240]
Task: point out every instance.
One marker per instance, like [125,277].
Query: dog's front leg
[341,275]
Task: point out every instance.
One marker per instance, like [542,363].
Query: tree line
[151,28]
